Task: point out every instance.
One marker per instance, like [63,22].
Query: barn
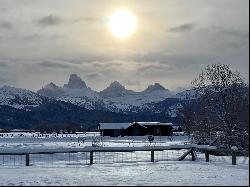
[135,129]
[113,129]
[158,128]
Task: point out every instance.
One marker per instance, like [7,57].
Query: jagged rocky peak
[117,85]
[155,87]
[50,90]
[75,82]
[115,89]
[51,86]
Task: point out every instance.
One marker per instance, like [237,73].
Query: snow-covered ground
[48,141]
[159,173]
[113,168]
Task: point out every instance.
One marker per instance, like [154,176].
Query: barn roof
[154,123]
[114,125]
[126,125]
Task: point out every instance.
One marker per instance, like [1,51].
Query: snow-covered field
[113,168]
[49,141]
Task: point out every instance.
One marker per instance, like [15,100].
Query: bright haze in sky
[134,42]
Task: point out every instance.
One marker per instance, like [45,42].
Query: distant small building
[136,129]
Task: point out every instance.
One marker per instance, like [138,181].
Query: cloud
[6,25]
[224,37]
[150,68]
[187,27]
[93,76]
[3,65]
[90,19]
[131,82]
[32,37]
[156,68]
[232,32]
[50,20]
[2,9]
[49,64]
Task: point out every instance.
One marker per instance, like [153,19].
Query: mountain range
[77,103]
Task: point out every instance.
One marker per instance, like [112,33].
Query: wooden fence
[191,149]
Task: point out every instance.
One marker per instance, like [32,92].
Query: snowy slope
[83,97]
[19,98]
[137,101]
[122,100]
[186,95]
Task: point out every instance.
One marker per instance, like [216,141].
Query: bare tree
[221,116]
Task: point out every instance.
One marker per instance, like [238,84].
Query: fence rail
[94,155]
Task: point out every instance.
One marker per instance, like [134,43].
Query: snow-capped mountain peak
[116,84]
[51,86]
[50,90]
[114,98]
[155,87]
[115,89]
[75,82]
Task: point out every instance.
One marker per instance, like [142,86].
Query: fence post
[193,154]
[152,156]
[27,163]
[91,157]
[233,158]
[207,155]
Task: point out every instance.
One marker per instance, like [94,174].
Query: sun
[122,23]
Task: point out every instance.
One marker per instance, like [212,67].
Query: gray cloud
[6,25]
[157,70]
[179,60]
[49,64]
[150,68]
[50,20]
[90,19]
[3,64]
[131,82]
[93,76]
[108,63]
[2,9]
[232,32]
[187,27]
[32,37]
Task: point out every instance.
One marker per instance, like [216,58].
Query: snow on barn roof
[114,125]
[153,123]
[17,130]
[126,125]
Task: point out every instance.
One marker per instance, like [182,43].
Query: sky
[45,41]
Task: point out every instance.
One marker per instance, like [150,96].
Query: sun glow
[122,23]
